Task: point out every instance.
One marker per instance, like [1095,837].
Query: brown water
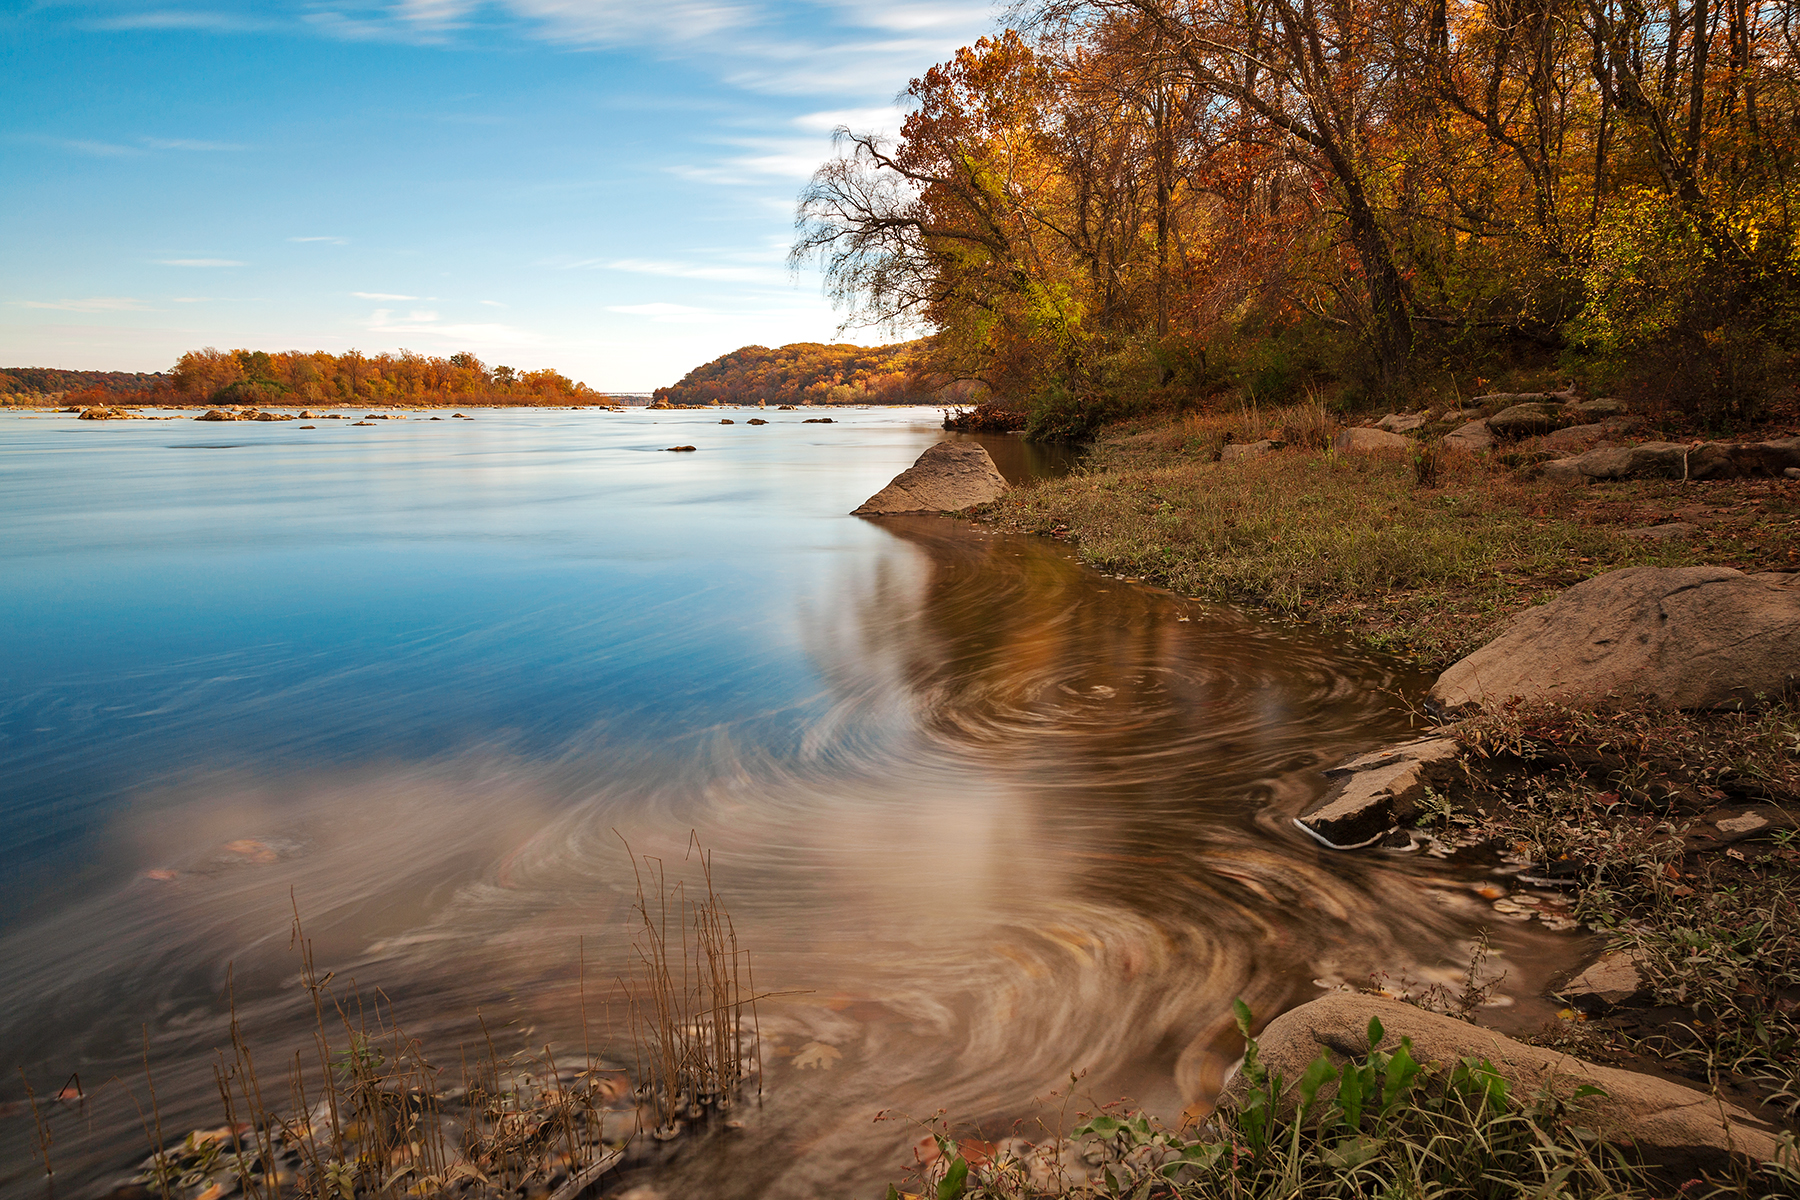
[986,817]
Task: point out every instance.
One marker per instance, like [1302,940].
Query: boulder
[1401,422]
[101,412]
[1667,1125]
[1364,440]
[756,421]
[947,477]
[1598,409]
[1473,437]
[269,416]
[216,414]
[1375,792]
[1234,451]
[819,421]
[680,449]
[1651,460]
[1744,460]
[726,421]
[1688,637]
[1579,437]
[1526,420]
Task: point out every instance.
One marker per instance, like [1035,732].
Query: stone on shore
[947,477]
[1526,420]
[1651,460]
[1401,422]
[216,414]
[1365,440]
[1677,1128]
[1234,451]
[1472,437]
[1687,637]
[1610,980]
[1375,792]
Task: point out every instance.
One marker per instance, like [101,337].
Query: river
[984,817]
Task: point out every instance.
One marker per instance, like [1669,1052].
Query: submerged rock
[1671,1126]
[1688,637]
[947,477]
[1377,791]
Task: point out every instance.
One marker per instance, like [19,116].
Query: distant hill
[49,379]
[808,373]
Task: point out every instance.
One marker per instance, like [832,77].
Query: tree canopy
[807,373]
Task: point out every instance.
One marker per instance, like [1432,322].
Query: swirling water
[984,816]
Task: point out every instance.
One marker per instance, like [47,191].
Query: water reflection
[996,820]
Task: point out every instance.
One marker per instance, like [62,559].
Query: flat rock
[1527,419]
[1374,792]
[1744,460]
[947,477]
[1579,437]
[1668,1125]
[1611,979]
[1603,407]
[1473,437]
[1239,450]
[1401,422]
[1660,533]
[1688,637]
[1365,440]
[1651,460]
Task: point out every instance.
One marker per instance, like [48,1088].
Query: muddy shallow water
[986,818]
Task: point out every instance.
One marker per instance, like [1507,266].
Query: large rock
[1652,460]
[216,414]
[947,477]
[1744,460]
[1363,440]
[1579,437]
[1402,422]
[1689,637]
[1373,793]
[1473,437]
[1526,420]
[1666,1124]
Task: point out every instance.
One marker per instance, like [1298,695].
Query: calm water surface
[989,816]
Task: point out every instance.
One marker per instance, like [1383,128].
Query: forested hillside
[298,377]
[1127,200]
[16,380]
[807,373]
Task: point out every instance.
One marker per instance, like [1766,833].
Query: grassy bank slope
[1425,568]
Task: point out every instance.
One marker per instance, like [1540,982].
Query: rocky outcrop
[1372,794]
[1665,1124]
[1672,460]
[1365,440]
[1473,437]
[947,477]
[1688,637]
[216,414]
[105,412]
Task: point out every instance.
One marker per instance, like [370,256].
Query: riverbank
[1426,568]
[1670,834]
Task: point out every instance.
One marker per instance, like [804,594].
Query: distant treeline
[810,373]
[49,379]
[298,377]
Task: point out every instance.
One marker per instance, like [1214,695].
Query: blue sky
[602,186]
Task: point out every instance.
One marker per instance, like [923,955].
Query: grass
[1356,542]
[1614,797]
[1378,1125]
[367,1112]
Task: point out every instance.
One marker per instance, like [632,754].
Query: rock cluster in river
[946,478]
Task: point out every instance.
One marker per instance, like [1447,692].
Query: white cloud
[332,241]
[98,149]
[678,270]
[202,21]
[381,296]
[94,304]
[658,309]
[493,304]
[201,262]
[426,324]
[886,119]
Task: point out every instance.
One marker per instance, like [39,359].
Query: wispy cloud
[427,324]
[196,19]
[93,304]
[98,149]
[657,309]
[330,241]
[201,262]
[190,144]
[493,304]
[681,270]
[381,296]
